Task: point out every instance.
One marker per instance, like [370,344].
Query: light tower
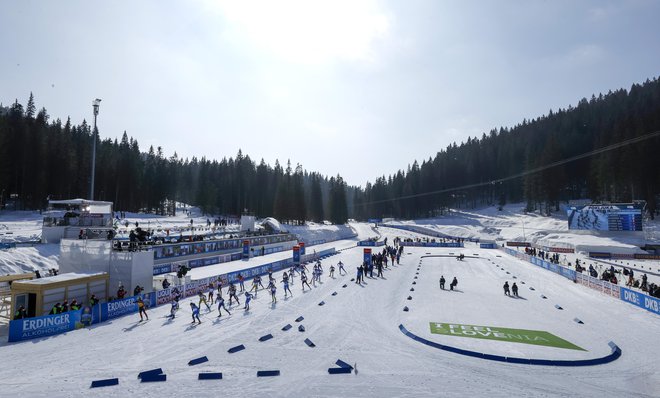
[95,104]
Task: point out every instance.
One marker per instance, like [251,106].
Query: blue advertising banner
[371,243]
[487,246]
[302,248]
[164,296]
[568,273]
[162,269]
[246,249]
[43,326]
[296,255]
[118,308]
[367,257]
[649,303]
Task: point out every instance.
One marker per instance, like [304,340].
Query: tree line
[629,173]
[41,160]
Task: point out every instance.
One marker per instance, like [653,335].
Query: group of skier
[232,291]
[210,297]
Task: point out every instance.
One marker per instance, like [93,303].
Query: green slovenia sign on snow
[535,337]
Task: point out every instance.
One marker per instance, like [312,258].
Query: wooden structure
[5,292]
[38,296]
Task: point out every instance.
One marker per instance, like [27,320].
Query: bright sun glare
[308,31]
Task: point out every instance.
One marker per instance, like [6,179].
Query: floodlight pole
[95,104]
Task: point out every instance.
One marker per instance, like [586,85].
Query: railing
[641,300]
[49,325]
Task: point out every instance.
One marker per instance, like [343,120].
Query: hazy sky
[359,88]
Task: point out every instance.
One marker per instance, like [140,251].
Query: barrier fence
[430,232]
[638,299]
[371,243]
[624,256]
[50,325]
[432,244]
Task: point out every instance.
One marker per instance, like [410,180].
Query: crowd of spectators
[543,255]
[434,240]
[611,274]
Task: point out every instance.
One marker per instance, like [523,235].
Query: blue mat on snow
[197,361]
[334,371]
[268,373]
[104,383]
[210,376]
[236,349]
[157,371]
[266,337]
[150,378]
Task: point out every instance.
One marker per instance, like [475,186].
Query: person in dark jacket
[506,289]
[74,305]
[20,313]
[57,309]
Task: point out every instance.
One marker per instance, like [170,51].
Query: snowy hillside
[512,224]
[360,325]
[24,228]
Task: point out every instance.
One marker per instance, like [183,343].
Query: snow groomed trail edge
[613,356]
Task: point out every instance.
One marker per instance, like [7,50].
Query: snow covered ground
[24,228]
[360,325]
[512,224]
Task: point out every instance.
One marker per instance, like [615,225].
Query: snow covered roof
[69,276]
[79,202]
[272,223]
